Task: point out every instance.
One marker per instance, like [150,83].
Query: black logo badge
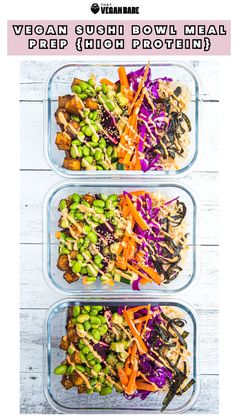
[95,8]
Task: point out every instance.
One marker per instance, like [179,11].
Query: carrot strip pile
[130,375]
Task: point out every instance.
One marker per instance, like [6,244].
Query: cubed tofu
[62,100]
[73,105]
[71,164]
[62,117]
[70,277]
[63,263]
[63,141]
[91,103]
[72,128]
[75,82]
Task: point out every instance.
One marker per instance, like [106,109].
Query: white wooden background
[37,178]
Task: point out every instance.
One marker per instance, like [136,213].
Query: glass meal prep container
[69,401]
[50,244]
[59,84]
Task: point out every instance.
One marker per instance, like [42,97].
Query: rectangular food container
[59,84]
[50,244]
[69,401]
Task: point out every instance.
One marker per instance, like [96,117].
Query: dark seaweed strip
[177,91]
[177,361]
[182,341]
[187,387]
[187,121]
[185,334]
[172,391]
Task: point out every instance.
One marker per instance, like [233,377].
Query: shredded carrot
[123,377]
[123,77]
[139,341]
[132,268]
[140,320]
[131,387]
[120,263]
[138,218]
[140,86]
[58,234]
[108,83]
[141,385]
[135,309]
[153,274]
[137,193]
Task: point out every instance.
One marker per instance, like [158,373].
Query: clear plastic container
[59,83]
[50,244]
[69,401]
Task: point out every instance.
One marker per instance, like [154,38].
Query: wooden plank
[34,73]
[32,340]
[35,292]
[32,137]
[33,400]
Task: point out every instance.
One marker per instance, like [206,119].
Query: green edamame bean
[93,237]
[85,350]
[83,270]
[96,335]
[74,206]
[109,214]
[89,391]
[91,279]
[80,151]
[92,144]
[109,204]
[87,308]
[85,203]
[99,210]
[105,165]
[81,355]
[97,368]
[102,143]
[76,197]
[87,229]
[113,197]
[93,312]
[82,318]
[98,308]
[65,251]
[87,325]
[76,311]
[88,131]
[94,326]
[91,270]
[91,81]
[82,95]
[104,88]
[97,260]
[87,253]
[98,154]
[71,348]
[80,258]
[106,370]
[99,167]
[62,205]
[95,138]
[60,370]
[80,368]
[103,329]
[78,325]
[90,356]
[76,268]
[102,318]
[109,150]
[98,203]
[86,151]
[83,85]
[70,370]
[93,382]
[92,363]
[105,391]
[86,161]
[73,152]
[74,321]
[76,89]
[80,134]
[95,320]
